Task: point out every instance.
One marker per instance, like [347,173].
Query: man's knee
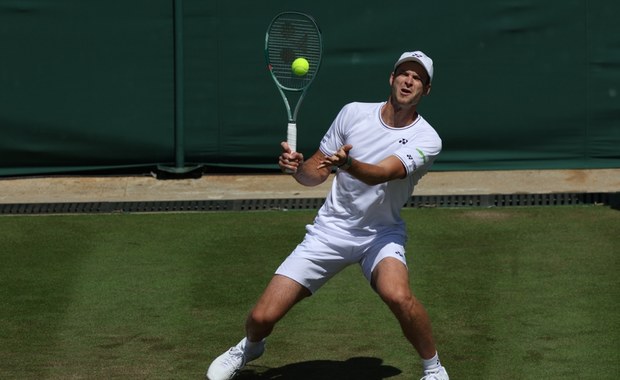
[398,298]
[261,317]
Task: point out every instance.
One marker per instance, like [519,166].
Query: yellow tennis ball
[300,67]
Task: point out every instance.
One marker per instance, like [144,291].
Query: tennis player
[380,151]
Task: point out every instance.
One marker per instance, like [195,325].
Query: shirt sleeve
[420,153]
[335,136]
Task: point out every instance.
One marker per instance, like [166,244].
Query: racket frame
[284,90]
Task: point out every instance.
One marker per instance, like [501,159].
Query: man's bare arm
[308,172]
[388,169]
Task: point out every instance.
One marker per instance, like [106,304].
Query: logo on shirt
[424,158]
[410,158]
[403,141]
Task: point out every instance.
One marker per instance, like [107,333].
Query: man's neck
[397,116]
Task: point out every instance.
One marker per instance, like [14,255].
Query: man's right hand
[289,161]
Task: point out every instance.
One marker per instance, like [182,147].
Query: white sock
[432,363]
[250,346]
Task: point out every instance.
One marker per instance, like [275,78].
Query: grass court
[513,293]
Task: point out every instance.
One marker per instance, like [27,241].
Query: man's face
[409,83]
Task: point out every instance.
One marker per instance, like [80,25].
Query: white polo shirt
[355,209]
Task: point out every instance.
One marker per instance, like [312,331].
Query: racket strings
[290,38]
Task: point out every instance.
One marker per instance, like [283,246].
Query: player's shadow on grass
[361,368]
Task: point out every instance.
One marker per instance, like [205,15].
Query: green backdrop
[92,85]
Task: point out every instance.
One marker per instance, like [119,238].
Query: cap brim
[413,59]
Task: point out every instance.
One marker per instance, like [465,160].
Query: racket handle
[291,136]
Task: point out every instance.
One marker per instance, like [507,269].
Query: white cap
[419,57]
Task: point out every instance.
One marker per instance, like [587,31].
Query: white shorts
[319,257]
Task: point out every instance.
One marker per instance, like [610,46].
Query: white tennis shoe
[438,373]
[227,365]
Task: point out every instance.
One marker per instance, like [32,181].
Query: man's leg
[391,281]
[279,297]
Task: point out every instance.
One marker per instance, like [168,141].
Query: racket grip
[291,136]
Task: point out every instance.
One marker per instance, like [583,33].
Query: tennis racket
[292,35]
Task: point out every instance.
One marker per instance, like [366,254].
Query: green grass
[514,293]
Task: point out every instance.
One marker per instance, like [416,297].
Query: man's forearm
[389,169]
[308,174]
